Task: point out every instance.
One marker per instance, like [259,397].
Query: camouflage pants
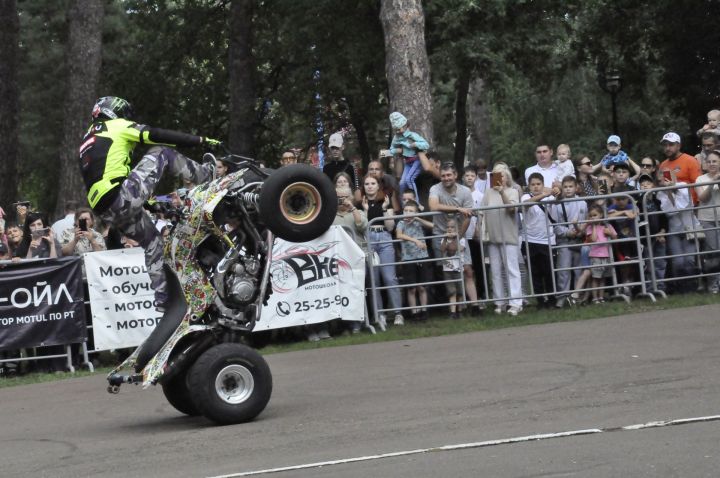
[127,213]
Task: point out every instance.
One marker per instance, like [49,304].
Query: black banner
[41,303]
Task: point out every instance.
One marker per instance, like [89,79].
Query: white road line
[667,423]
[481,444]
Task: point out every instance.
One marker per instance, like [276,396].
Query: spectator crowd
[567,230]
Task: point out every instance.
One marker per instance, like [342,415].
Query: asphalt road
[369,401]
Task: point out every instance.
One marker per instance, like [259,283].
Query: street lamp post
[611,82]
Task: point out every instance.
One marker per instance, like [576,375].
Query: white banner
[311,282]
[315,282]
[121,298]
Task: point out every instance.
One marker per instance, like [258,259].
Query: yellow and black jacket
[105,155]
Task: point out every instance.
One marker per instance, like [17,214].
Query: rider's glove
[212,142]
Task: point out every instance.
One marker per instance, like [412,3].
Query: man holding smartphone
[82,237]
[685,167]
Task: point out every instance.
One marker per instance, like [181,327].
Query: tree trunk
[84,58]
[9,100]
[241,66]
[461,123]
[479,122]
[406,63]
[358,122]
[362,141]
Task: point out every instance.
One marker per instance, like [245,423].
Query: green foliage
[43,32]
[540,63]
[673,41]
[574,110]
[169,59]
[345,46]
[538,60]
[499,41]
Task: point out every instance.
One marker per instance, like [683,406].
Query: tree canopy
[323,63]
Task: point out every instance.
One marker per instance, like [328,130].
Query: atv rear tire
[298,203]
[230,383]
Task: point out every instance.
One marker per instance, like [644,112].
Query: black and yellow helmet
[112,107]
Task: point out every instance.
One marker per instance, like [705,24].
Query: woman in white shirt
[709,211]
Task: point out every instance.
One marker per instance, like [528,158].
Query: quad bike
[218,282]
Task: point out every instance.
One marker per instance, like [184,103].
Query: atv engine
[242,283]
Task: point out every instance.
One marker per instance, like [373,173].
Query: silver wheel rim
[234,384]
[300,203]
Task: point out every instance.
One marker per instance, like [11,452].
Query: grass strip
[439,324]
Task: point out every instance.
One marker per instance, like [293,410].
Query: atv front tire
[230,383]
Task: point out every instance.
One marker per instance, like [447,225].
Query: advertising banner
[41,303]
[315,282]
[311,282]
[121,298]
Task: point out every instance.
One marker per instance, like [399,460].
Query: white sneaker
[399,320]
[500,309]
[514,311]
[324,334]
[313,337]
[382,322]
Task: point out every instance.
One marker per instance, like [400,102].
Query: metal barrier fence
[376,242]
[636,266]
[24,355]
[42,312]
[691,246]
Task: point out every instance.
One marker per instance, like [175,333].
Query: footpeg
[115,380]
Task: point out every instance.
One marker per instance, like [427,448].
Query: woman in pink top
[598,232]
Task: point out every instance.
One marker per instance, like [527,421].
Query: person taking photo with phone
[38,240]
[82,237]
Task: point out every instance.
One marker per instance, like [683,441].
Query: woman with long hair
[709,214]
[377,205]
[342,180]
[587,184]
[38,240]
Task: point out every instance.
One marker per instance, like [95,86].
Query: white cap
[671,138]
[613,138]
[336,140]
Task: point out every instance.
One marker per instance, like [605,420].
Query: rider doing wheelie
[116,193]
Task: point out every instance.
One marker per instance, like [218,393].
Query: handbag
[710,264]
[481,229]
[692,234]
[693,231]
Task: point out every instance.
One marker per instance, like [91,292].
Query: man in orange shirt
[686,167]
